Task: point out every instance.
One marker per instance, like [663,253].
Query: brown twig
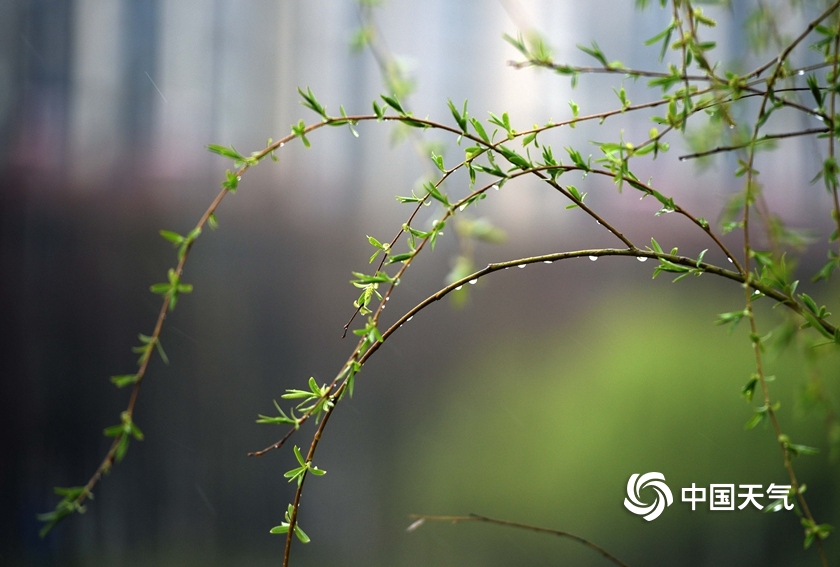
[509,524]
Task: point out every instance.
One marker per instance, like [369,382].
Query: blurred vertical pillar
[184,112]
[96,140]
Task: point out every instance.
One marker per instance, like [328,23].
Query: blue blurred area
[534,403]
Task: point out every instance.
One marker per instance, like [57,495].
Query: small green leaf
[172,237]
[226,152]
[125,380]
[393,103]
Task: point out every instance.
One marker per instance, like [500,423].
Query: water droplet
[409,319]
[382,308]
[472,282]
[496,187]
[730,260]
[462,207]
[593,258]
[641,258]
[756,292]
[820,118]
[507,267]
[731,126]
[458,288]
[548,261]
[388,298]
[801,72]
[683,158]
[239,178]
[598,222]
[521,266]
[282,144]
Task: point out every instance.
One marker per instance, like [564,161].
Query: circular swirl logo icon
[653,480]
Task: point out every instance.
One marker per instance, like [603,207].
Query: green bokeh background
[547,430]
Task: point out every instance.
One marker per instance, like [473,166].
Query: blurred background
[534,401]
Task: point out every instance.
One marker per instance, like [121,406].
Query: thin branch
[784,54]
[766,137]
[569,69]
[509,524]
[749,284]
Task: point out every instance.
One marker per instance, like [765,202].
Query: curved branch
[420,518]
[766,137]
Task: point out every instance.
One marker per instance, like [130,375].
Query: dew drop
[730,260]
[458,288]
[593,258]
[239,178]
[598,222]
[282,144]
[496,187]
[641,258]
[388,298]
[548,261]
[801,72]
[731,126]
[756,292]
[472,282]
[409,319]
[683,158]
[521,266]
[462,207]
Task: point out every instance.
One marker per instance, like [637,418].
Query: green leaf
[309,101]
[479,130]
[125,380]
[393,103]
[172,237]
[226,152]
[438,162]
[595,52]
[749,389]
[460,117]
[231,182]
[298,456]
[301,535]
[732,319]
[282,529]
[757,418]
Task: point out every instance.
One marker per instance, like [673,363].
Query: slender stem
[784,54]
[749,284]
[509,524]
[766,137]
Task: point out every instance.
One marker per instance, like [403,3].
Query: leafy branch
[498,153]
